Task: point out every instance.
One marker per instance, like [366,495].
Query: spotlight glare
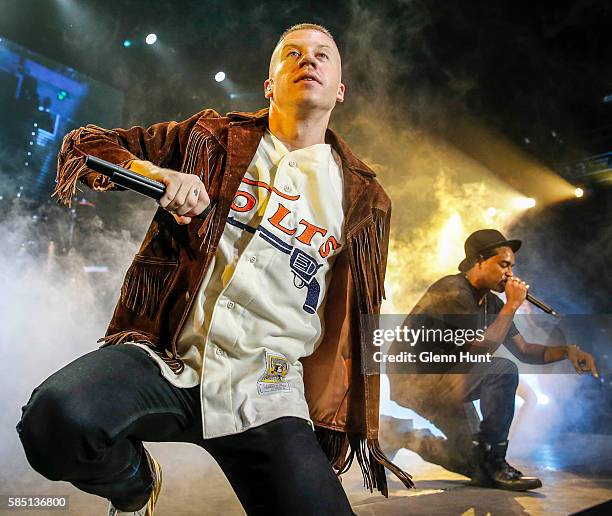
[449,241]
[542,398]
[578,192]
[220,76]
[150,39]
[524,203]
[127,43]
[491,211]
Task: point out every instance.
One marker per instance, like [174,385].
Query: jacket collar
[349,160]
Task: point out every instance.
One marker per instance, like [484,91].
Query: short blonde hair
[305,26]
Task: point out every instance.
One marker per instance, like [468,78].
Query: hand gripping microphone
[131,180]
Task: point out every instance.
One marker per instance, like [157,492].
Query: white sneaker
[147,510]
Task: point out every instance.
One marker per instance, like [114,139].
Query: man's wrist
[145,168]
[568,348]
[510,307]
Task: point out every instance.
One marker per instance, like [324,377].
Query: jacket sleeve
[163,144]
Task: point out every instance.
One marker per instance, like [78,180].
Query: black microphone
[542,306]
[131,180]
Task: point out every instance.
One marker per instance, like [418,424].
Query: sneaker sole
[157,483]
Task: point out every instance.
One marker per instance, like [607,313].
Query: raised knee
[508,368]
[48,425]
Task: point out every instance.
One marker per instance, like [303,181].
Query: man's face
[497,270]
[305,72]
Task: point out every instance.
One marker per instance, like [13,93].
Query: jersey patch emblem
[273,378]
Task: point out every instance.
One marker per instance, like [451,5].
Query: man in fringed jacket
[238,330]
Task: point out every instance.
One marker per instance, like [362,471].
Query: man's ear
[268,88]
[340,94]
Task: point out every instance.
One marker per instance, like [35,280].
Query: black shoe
[495,472]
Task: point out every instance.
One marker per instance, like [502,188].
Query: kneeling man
[473,448]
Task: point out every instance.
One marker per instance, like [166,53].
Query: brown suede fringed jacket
[168,269]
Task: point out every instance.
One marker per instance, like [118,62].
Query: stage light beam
[525,203]
[220,76]
[579,192]
[449,242]
[151,39]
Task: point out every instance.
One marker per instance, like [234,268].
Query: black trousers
[441,398]
[86,423]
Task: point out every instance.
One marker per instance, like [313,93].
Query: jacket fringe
[68,169]
[175,363]
[369,274]
[205,231]
[369,267]
[368,453]
[126,336]
[215,156]
[334,443]
[71,166]
[380,461]
[144,284]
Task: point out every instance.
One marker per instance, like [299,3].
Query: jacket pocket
[145,283]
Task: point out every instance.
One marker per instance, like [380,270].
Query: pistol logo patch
[273,379]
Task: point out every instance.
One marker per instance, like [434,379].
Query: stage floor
[576,472]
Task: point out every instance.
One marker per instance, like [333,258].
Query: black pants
[85,424]
[441,398]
